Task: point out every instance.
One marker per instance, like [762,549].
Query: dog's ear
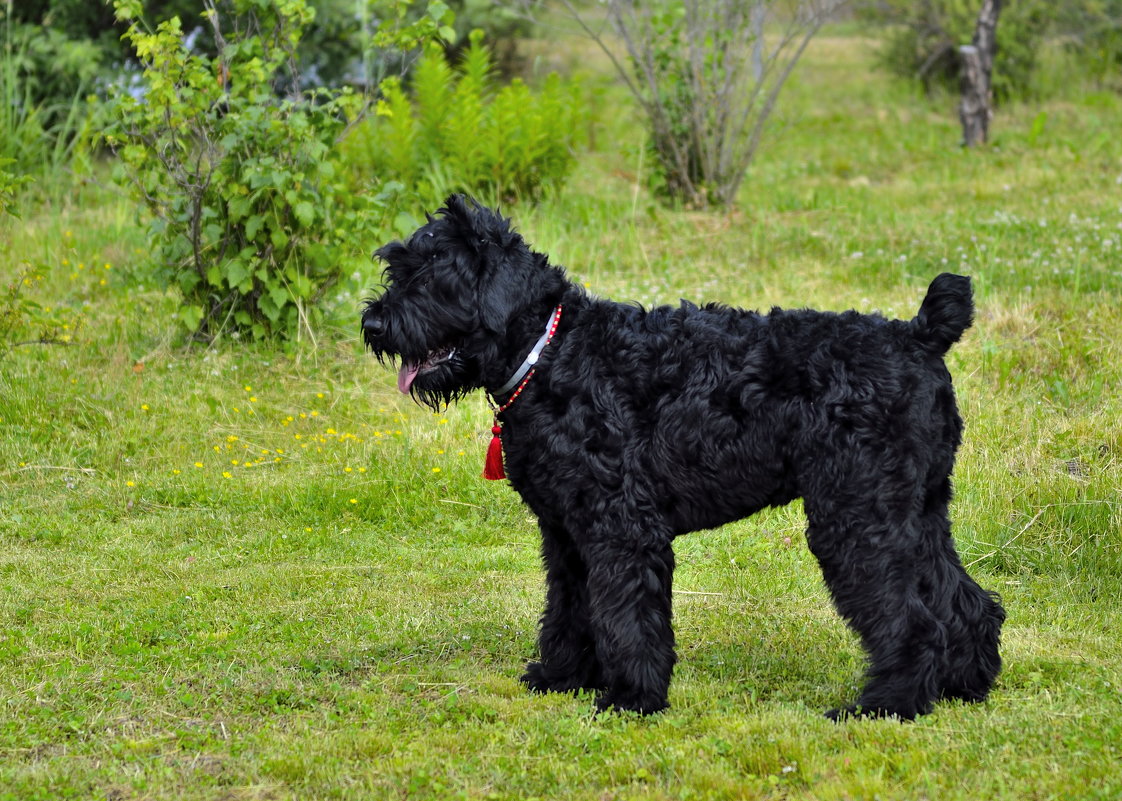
[460,206]
[504,267]
[497,303]
[463,213]
[493,242]
[478,226]
[505,292]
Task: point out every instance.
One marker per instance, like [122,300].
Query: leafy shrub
[10,184]
[922,40]
[455,129]
[253,216]
[23,321]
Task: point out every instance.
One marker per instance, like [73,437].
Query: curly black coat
[640,425]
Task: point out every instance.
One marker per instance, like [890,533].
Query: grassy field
[260,573]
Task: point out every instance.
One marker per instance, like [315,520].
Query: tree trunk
[976,109]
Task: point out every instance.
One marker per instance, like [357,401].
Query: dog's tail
[946,312]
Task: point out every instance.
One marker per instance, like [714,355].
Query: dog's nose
[373,325]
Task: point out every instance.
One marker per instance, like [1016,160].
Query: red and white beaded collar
[493,467]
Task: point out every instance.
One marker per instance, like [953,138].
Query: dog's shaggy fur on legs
[638,426]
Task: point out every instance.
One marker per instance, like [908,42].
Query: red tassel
[493,467]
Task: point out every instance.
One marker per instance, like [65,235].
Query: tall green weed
[23,320]
[37,139]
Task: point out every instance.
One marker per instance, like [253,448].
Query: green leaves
[400,31]
[253,226]
[237,275]
[125,10]
[305,213]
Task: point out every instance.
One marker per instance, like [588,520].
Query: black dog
[636,426]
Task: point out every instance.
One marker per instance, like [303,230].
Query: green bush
[1091,30]
[922,40]
[253,216]
[455,129]
[707,76]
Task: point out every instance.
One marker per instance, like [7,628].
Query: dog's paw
[841,713]
[539,679]
[630,702]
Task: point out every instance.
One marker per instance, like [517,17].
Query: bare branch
[707,74]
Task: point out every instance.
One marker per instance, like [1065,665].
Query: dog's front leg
[567,653]
[629,585]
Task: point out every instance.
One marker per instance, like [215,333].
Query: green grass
[260,573]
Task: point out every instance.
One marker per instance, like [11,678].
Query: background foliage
[45,123]
[1092,31]
[922,41]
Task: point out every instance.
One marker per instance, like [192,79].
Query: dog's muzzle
[374,331]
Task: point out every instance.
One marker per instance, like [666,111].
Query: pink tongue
[406,375]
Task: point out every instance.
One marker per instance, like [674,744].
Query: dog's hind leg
[972,616]
[973,658]
[567,653]
[871,569]
[629,583]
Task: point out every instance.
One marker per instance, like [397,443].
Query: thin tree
[976,108]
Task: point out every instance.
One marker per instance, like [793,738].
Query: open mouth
[410,370]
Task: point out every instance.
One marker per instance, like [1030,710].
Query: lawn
[259,572]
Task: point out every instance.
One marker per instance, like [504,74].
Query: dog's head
[453,290]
